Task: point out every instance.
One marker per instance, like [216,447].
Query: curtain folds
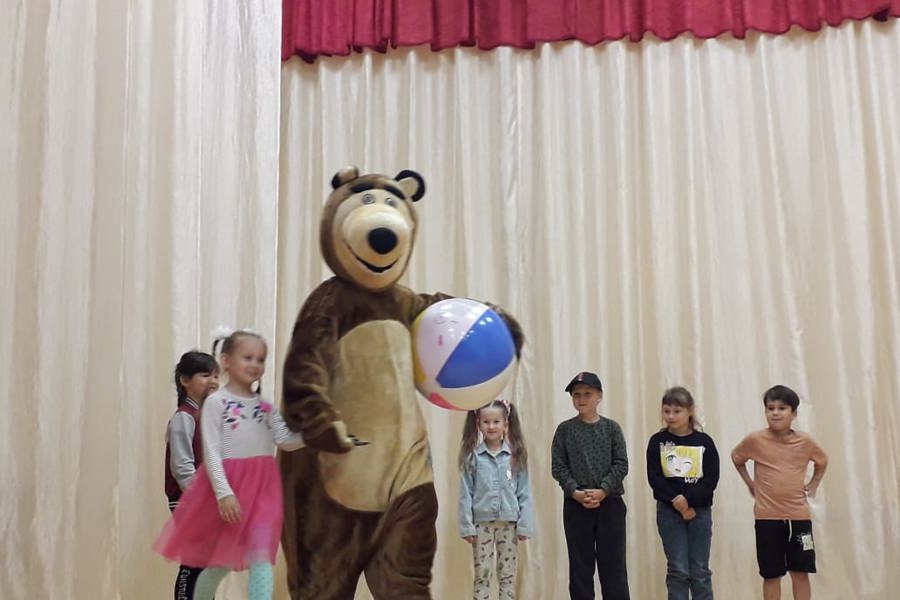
[139,170]
[722,214]
[311,28]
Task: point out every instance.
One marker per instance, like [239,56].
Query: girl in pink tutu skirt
[229,518]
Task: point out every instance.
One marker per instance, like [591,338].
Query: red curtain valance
[314,27]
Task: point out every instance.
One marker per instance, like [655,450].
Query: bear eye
[391,202]
[368,199]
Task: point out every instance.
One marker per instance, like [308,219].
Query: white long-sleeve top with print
[235,427]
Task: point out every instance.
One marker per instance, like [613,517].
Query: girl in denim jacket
[495,506]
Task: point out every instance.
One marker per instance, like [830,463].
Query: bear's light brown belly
[373,389]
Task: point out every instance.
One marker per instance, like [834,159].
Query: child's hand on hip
[230,509]
[521,538]
[471,539]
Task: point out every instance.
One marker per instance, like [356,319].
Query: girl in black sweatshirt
[683,470]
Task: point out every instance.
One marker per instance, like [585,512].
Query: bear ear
[348,173]
[412,184]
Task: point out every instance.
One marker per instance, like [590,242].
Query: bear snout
[382,240]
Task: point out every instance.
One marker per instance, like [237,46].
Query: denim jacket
[489,490]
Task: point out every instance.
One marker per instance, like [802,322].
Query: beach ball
[463,354]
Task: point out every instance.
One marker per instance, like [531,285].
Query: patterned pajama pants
[499,536]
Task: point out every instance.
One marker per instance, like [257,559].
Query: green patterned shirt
[589,456]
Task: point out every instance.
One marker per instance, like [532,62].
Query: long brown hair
[679,396]
[513,435]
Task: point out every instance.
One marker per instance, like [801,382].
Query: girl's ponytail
[179,389]
[220,335]
[469,439]
[515,439]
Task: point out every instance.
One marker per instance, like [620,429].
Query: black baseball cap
[587,378]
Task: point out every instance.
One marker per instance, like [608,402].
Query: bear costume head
[369,226]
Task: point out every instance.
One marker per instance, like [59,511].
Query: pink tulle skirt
[196,536]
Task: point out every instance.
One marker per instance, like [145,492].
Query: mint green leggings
[258,588]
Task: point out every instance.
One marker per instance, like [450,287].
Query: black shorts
[783,546]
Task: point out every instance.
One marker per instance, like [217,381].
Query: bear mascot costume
[360,497]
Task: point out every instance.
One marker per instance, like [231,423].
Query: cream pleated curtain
[720,214]
[139,170]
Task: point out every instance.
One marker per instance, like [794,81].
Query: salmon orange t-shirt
[779,472]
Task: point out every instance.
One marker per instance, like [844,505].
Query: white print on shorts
[807,541]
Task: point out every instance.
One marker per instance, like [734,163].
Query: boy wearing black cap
[590,462]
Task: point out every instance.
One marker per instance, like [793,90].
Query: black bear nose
[382,240]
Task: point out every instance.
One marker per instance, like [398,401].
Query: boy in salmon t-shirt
[780,455]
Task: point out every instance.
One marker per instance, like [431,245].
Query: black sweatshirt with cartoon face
[686,465]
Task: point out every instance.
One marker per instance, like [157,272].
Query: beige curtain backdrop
[139,176]
[720,214]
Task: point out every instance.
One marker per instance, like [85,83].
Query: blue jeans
[687,545]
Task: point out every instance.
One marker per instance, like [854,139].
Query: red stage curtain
[314,27]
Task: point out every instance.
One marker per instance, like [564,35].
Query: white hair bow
[220,332]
